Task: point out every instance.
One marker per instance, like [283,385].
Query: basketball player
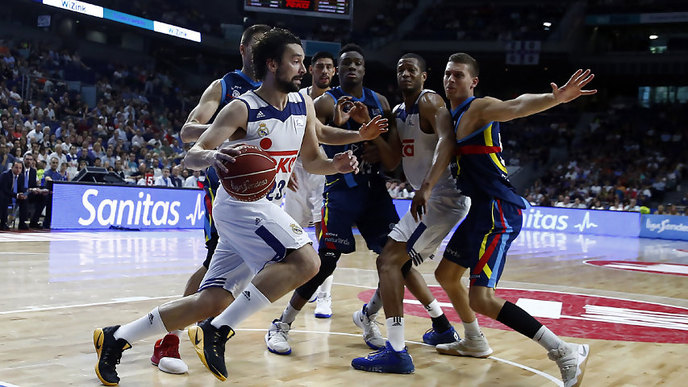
[360,199]
[218,94]
[494,220]
[304,203]
[425,133]
[259,243]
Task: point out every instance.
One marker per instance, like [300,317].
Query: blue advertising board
[581,221]
[97,206]
[664,227]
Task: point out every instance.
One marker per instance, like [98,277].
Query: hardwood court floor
[55,288]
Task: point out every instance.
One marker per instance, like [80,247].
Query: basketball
[251,176]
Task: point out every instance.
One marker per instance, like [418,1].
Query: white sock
[471,329]
[547,339]
[395,333]
[289,314]
[434,309]
[375,303]
[249,302]
[326,286]
[177,332]
[148,325]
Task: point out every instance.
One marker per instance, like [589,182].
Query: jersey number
[277,191]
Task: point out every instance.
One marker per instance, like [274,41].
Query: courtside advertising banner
[95,206]
[597,222]
[664,227]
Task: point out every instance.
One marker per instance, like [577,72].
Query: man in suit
[12,192]
[177,181]
[36,195]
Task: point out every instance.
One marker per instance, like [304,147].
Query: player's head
[351,65]
[248,39]
[278,54]
[411,74]
[460,76]
[322,69]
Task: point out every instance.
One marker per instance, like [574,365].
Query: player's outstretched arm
[492,109]
[197,122]
[326,109]
[315,161]
[434,108]
[204,154]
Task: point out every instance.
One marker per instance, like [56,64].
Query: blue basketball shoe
[385,360]
[433,338]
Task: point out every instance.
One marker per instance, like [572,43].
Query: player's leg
[474,343]
[323,306]
[336,239]
[280,253]
[486,269]
[110,341]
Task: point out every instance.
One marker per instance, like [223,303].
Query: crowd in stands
[129,130]
[452,20]
[627,158]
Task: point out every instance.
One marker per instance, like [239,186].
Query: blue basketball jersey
[366,170]
[478,167]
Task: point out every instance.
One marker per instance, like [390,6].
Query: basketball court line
[138,299]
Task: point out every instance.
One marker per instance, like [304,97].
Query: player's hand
[574,87]
[293,183]
[223,155]
[342,110]
[21,196]
[359,112]
[345,162]
[419,204]
[373,128]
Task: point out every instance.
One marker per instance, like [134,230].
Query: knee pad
[328,262]
[406,268]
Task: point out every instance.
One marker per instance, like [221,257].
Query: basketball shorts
[305,204]
[210,186]
[369,207]
[481,242]
[444,210]
[259,233]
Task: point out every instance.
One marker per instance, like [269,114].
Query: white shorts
[257,233]
[444,210]
[305,205]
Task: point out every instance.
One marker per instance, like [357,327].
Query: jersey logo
[296,229]
[407,147]
[260,115]
[262,127]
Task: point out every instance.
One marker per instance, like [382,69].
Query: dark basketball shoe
[109,352]
[209,343]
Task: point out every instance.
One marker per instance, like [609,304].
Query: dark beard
[285,86]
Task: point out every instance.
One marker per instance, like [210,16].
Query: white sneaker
[323,306]
[371,332]
[468,346]
[571,359]
[277,338]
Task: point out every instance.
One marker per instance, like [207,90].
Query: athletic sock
[177,332]
[326,286]
[289,314]
[249,302]
[471,329]
[434,309]
[518,320]
[148,325]
[375,303]
[395,332]
[547,339]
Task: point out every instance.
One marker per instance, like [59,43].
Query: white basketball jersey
[418,147]
[277,132]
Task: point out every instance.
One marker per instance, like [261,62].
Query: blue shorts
[210,186]
[369,207]
[483,239]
